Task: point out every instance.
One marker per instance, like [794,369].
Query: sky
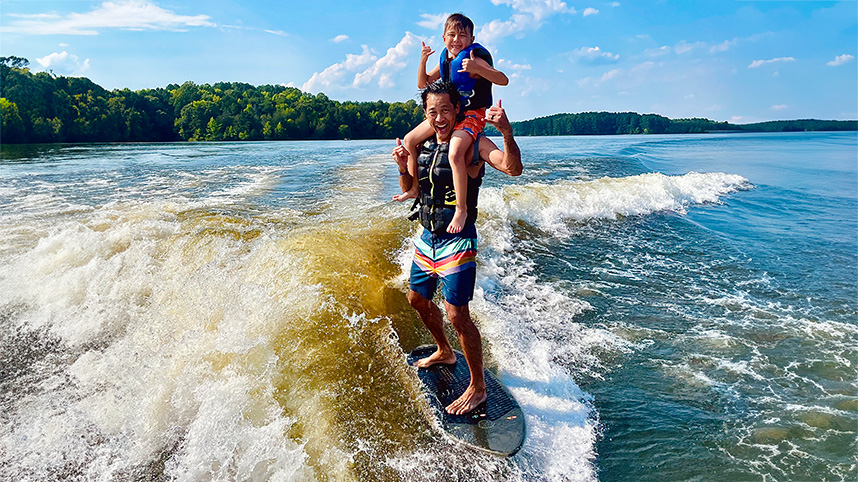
[740,61]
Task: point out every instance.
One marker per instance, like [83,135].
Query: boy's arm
[424,79]
[427,79]
[477,66]
[507,161]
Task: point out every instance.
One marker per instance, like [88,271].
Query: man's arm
[508,160]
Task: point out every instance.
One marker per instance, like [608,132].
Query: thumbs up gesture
[496,116]
[472,65]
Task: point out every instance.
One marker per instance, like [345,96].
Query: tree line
[46,108]
[43,107]
[610,123]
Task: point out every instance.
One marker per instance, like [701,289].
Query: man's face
[441,114]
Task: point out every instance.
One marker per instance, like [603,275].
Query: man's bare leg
[432,317]
[472,347]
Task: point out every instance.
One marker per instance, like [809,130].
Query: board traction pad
[496,425]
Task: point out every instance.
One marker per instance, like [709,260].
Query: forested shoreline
[44,108]
[608,123]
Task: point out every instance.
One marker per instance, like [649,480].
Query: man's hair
[459,21]
[440,87]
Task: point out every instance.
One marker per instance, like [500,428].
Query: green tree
[12,129]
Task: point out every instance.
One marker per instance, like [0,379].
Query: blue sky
[739,61]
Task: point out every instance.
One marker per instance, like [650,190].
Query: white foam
[550,207]
[532,329]
[172,341]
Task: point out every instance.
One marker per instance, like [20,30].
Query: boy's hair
[459,21]
[441,87]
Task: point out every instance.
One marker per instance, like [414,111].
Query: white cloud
[840,60]
[780,107]
[64,63]
[663,50]
[684,47]
[594,55]
[364,68]
[723,46]
[539,9]
[512,70]
[527,15]
[433,22]
[590,11]
[340,38]
[759,63]
[123,14]
[392,62]
[279,33]
[334,75]
[625,78]
[505,64]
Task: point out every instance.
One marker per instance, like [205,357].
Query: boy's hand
[496,116]
[473,65]
[425,52]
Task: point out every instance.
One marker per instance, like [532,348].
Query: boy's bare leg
[412,142]
[460,143]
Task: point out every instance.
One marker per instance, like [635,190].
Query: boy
[468,66]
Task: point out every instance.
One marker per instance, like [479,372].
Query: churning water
[663,308]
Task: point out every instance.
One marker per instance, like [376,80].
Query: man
[446,256]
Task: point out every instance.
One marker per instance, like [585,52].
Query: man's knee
[460,318]
[417,301]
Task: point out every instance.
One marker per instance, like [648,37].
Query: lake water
[663,308]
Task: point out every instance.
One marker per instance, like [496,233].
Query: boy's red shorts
[474,122]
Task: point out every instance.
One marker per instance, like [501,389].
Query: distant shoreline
[612,123]
[46,109]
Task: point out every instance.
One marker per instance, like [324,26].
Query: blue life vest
[475,93]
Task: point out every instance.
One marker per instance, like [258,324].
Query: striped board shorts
[452,258]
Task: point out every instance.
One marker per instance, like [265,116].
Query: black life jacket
[436,204]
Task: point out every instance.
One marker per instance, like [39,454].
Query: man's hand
[400,155]
[496,116]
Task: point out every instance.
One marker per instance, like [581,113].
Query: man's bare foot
[458,221]
[410,194]
[435,358]
[468,401]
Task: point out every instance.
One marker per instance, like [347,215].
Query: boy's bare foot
[458,221]
[468,401]
[435,358]
[410,194]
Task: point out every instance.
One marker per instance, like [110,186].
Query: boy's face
[457,39]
